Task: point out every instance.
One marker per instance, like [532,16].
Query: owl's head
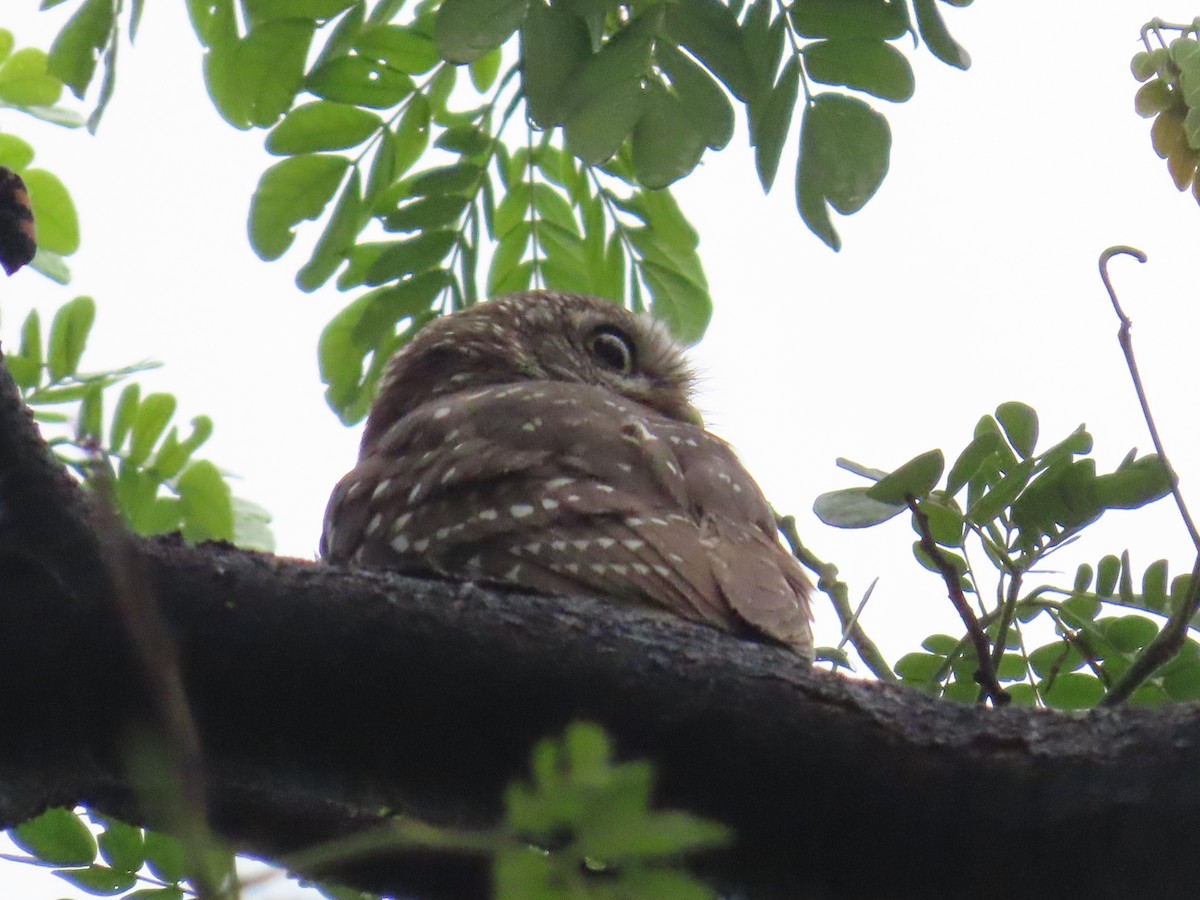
[537,336]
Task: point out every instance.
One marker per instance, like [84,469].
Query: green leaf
[124,416]
[411,257]
[937,38]
[955,560]
[289,192]
[666,144]
[174,454]
[1129,633]
[1001,495]
[337,240]
[1107,573]
[507,258]
[919,666]
[25,82]
[916,478]
[7,42]
[847,146]
[212,20]
[100,880]
[460,178]
[1154,586]
[122,846]
[970,460]
[1011,668]
[595,131]
[58,837]
[77,48]
[467,29]
[552,208]
[864,19]
[1143,65]
[436,211]
[341,41]
[251,527]
[941,644]
[205,503]
[165,856]
[359,82]
[1152,98]
[166,893]
[153,415]
[53,211]
[322,125]
[677,300]
[554,42]
[1137,484]
[1020,424]
[485,69]
[844,151]
[647,836]
[771,125]
[383,170]
[709,30]
[853,508]
[393,303]
[253,81]
[625,59]
[1083,578]
[403,49]
[340,354]
[68,336]
[263,10]
[1073,690]
[412,135]
[700,96]
[1058,657]
[862,65]
[1183,684]
[946,523]
[89,421]
[15,153]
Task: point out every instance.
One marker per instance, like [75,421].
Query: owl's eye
[613,350]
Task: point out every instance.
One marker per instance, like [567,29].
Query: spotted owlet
[546,441]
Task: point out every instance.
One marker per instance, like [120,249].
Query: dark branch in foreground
[321,698]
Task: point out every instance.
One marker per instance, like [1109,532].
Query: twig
[847,627]
[1008,610]
[839,593]
[985,675]
[1170,639]
[1125,338]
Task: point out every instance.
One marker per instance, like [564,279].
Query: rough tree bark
[322,696]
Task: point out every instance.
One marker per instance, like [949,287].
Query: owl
[547,441]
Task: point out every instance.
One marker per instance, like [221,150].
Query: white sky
[969,280]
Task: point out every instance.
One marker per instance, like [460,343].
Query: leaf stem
[1168,641]
[1125,338]
[839,593]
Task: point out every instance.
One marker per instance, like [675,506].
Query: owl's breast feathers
[568,489]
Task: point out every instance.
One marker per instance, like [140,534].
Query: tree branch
[323,696]
[985,673]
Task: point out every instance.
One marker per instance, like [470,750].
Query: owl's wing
[561,489]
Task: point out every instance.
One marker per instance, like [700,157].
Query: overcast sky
[970,279]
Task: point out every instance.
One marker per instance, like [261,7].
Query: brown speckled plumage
[547,441]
